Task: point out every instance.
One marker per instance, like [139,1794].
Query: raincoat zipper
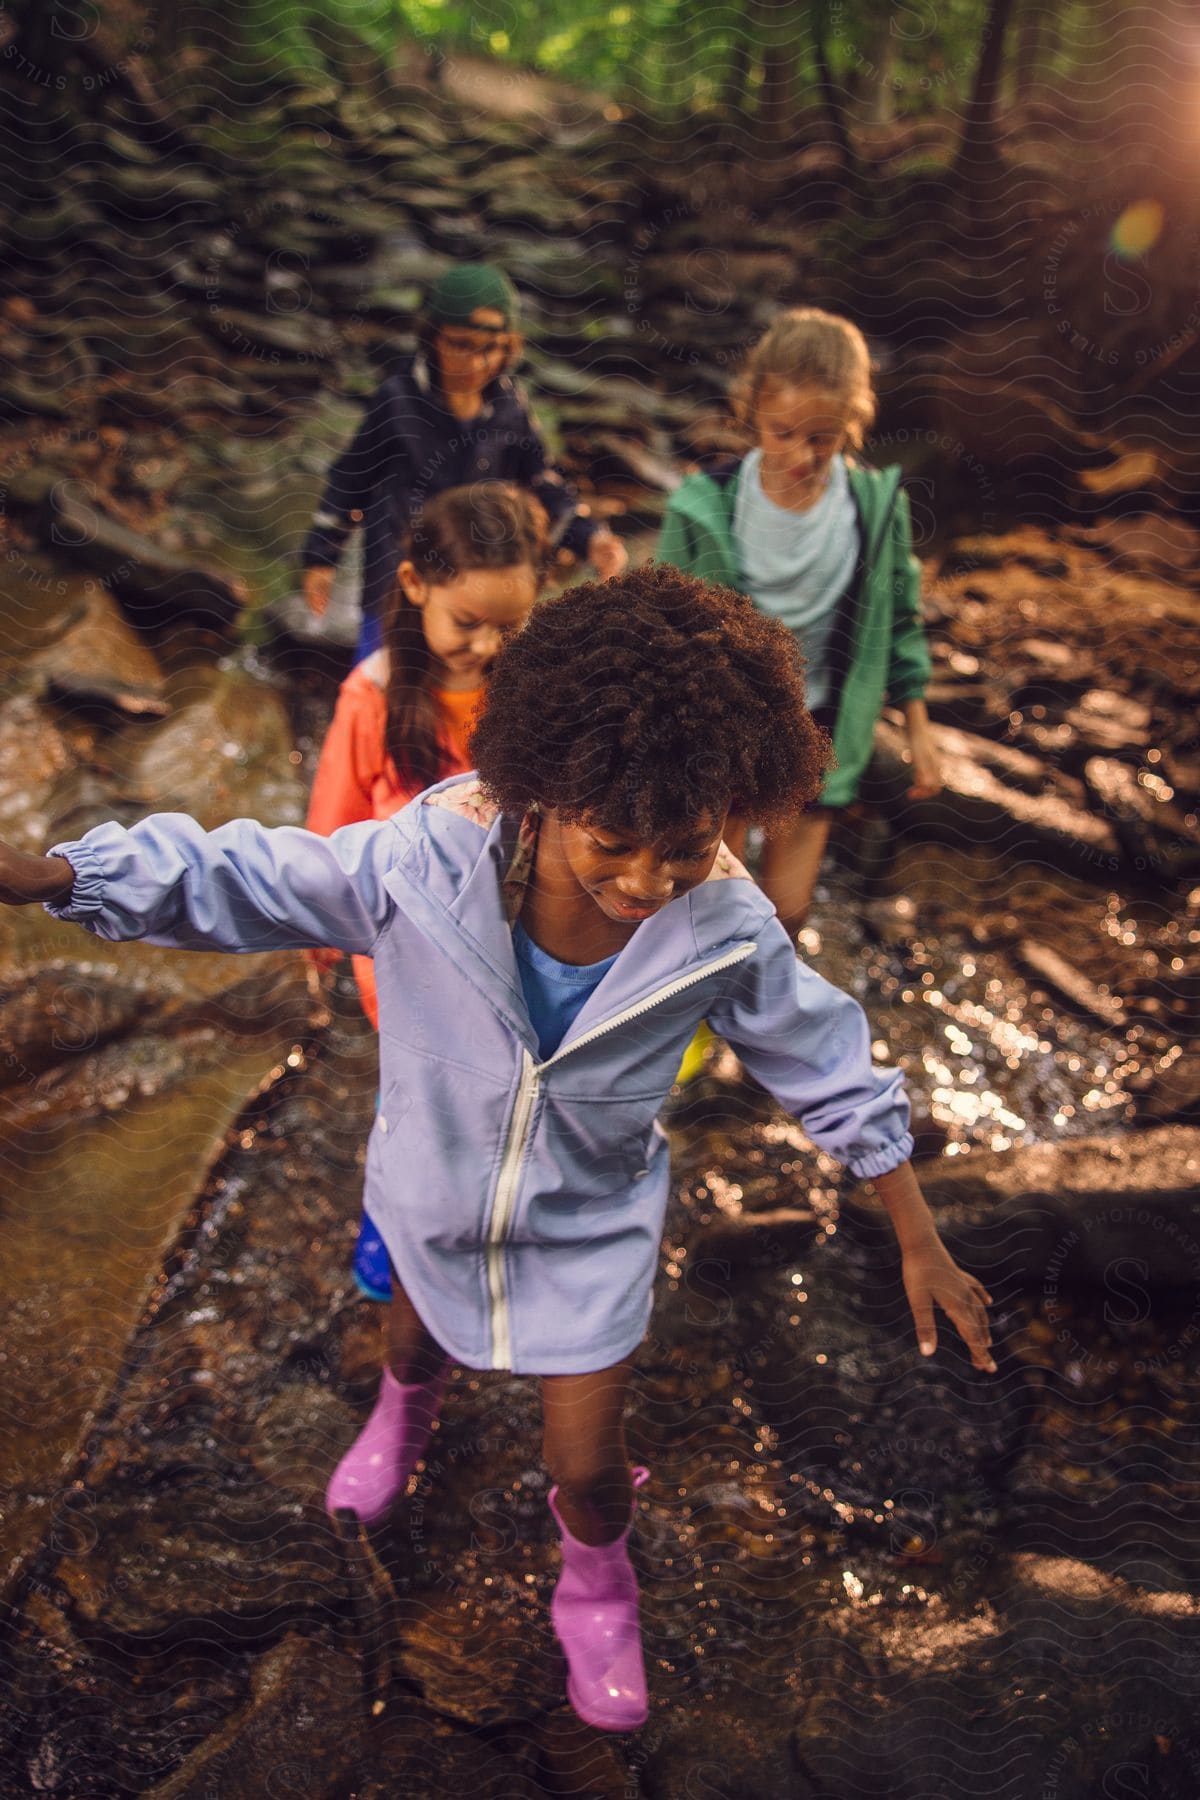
[518,1132]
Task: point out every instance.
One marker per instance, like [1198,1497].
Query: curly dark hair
[646,703]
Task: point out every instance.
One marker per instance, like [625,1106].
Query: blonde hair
[805,346]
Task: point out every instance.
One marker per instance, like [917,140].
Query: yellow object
[693,1056]
[1138,228]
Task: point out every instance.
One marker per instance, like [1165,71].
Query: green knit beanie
[455,295]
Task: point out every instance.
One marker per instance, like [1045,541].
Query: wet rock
[412,1751]
[1155,543]
[1068,1214]
[300,1434]
[1169,1087]
[298,1735]
[823,1340]
[759,1239]
[238,1564]
[100,661]
[85,796]
[1181,766]
[21,398]
[1103,1508]
[939,1725]
[246,332]
[1157,836]
[149,576]
[225,754]
[892,919]
[40,599]
[1110,722]
[995,796]
[1054,969]
[470,1665]
[722,1757]
[1049,657]
[126,1132]
[33,755]
[968,702]
[1061,1681]
[1063,1613]
[49,1017]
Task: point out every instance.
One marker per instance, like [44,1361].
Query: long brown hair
[490,525]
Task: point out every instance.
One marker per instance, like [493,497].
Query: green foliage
[304,36]
[678,55]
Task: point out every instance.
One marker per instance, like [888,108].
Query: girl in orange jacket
[469,577]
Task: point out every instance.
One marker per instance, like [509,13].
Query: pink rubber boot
[378,1463]
[595,1614]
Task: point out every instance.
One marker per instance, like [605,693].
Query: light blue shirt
[797,565]
[554,991]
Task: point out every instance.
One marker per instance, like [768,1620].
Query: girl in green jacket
[824,544]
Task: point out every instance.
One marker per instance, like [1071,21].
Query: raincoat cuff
[87,893]
[879,1162]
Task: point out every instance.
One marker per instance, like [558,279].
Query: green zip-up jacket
[878,643]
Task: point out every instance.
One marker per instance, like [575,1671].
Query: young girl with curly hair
[547,933]
[822,542]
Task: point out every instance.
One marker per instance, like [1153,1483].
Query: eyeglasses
[469,343]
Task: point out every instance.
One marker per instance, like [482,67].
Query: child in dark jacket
[447,417]
[823,543]
[547,933]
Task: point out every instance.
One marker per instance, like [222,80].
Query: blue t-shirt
[554,991]
[797,565]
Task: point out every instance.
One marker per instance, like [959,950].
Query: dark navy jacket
[408,448]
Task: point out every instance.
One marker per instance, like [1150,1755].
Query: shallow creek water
[835,1532]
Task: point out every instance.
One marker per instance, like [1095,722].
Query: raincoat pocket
[393,1105]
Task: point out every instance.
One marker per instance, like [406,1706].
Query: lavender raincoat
[520,1200]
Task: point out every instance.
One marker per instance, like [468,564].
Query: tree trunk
[1030,25]
[878,98]
[978,142]
[777,96]
[835,112]
[737,71]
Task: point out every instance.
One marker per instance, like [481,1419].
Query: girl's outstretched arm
[27,879]
[242,887]
[810,1045]
[929,1271]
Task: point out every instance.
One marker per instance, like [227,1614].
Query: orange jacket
[356,779]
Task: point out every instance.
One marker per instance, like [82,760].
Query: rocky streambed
[863,1573]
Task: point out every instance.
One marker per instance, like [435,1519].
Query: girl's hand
[931,1275]
[606,553]
[318,584]
[26,879]
[926,762]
